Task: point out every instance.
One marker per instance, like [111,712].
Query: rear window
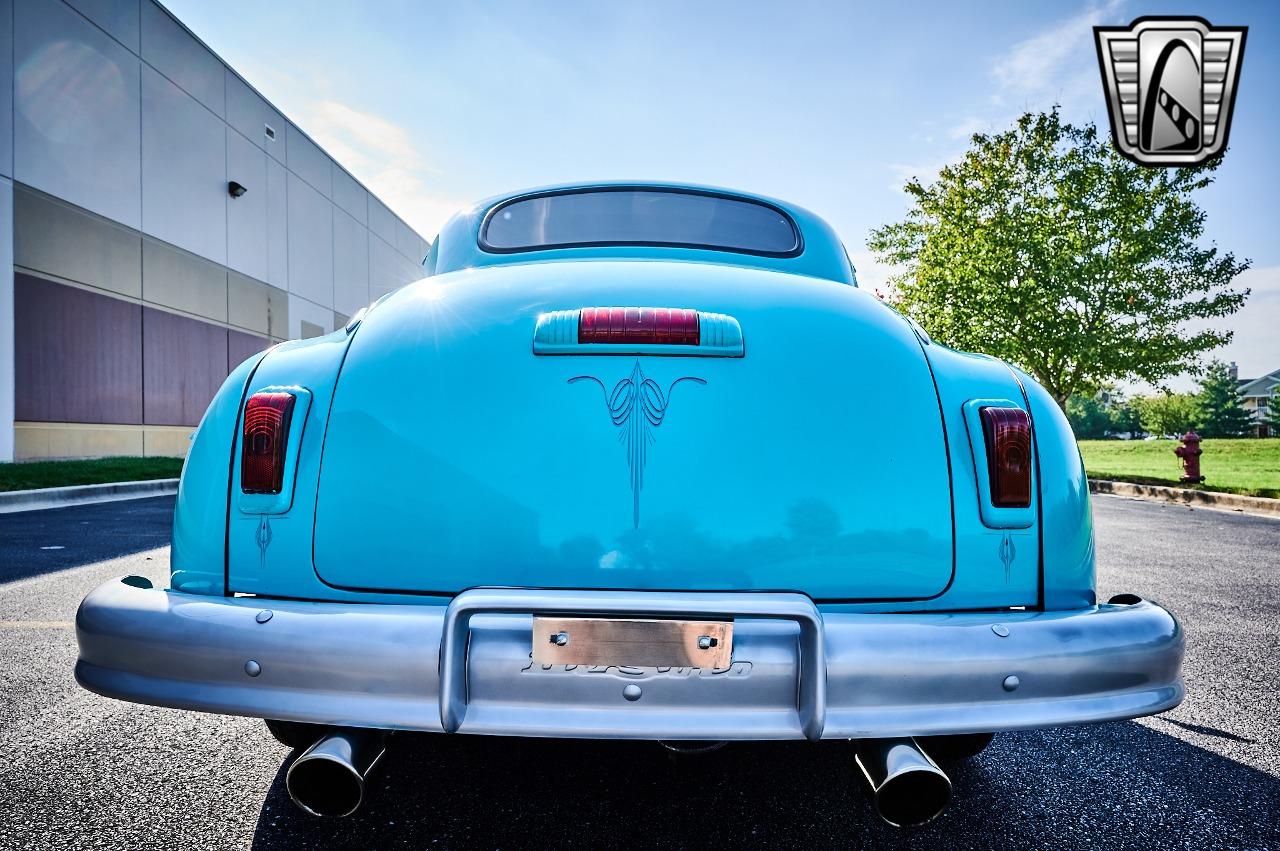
[626,216]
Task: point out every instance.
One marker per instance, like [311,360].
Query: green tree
[1124,418]
[1168,414]
[1046,247]
[1272,418]
[1089,418]
[1222,412]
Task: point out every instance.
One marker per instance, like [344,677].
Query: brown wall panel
[78,355]
[184,363]
[240,346]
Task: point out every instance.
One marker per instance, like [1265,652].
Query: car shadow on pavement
[1121,785]
[38,542]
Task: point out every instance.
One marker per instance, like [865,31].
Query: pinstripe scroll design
[637,406]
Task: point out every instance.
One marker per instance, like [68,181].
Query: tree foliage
[1102,415]
[1089,418]
[1168,414]
[1046,247]
[1222,411]
[1272,417]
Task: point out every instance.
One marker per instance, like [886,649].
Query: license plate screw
[706,642]
[560,639]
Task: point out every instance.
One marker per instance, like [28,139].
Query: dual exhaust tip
[907,786]
[330,778]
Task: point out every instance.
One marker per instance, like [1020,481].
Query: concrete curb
[1259,505]
[40,498]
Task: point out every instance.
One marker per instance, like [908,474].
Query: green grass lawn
[1246,466]
[91,471]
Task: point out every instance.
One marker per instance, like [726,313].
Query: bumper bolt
[1011,682]
[706,642]
[264,616]
[560,639]
[632,692]
[252,668]
[1000,630]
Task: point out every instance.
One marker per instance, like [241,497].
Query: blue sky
[829,105]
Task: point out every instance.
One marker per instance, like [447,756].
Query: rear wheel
[955,748]
[295,734]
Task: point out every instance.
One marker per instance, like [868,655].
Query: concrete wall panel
[277,225]
[75,440]
[310,243]
[248,303]
[408,242]
[382,221]
[172,51]
[384,268]
[78,355]
[6,88]
[277,314]
[307,319]
[76,108]
[183,281]
[58,239]
[241,346]
[306,160]
[6,320]
[172,441]
[249,113]
[118,17]
[350,195]
[350,264]
[184,363]
[247,215]
[184,170]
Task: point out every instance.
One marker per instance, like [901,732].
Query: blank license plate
[638,643]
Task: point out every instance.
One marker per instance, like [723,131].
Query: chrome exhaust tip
[908,787]
[329,778]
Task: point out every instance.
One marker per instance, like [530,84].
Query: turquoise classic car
[633,461]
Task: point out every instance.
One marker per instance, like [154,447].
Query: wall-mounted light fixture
[235,189]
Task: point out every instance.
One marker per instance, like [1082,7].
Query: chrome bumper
[797,673]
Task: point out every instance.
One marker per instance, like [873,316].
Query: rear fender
[200,515]
[989,572]
[1064,498]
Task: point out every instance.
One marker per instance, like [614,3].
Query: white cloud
[1047,66]
[927,171]
[383,156]
[966,127]
[1055,65]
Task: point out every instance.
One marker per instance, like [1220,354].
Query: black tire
[295,734]
[955,748]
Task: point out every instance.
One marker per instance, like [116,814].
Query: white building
[133,272]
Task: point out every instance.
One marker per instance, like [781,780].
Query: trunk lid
[455,457]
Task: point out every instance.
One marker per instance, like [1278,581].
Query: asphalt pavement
[82,771]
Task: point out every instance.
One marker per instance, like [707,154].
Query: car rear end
[634,497]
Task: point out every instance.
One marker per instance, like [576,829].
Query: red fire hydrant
[1190,452]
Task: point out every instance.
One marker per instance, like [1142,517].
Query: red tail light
[1007,432]
[266,435]
[658,325]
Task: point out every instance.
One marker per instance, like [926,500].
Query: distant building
[1261,396]
[159,222]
